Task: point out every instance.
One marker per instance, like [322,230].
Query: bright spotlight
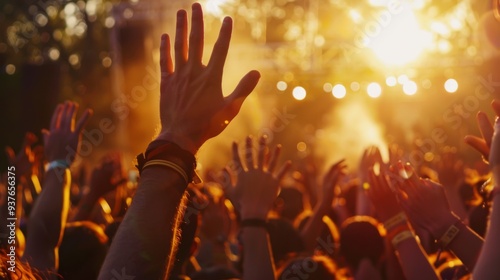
[299,93]
[339,91]
[401,42]
[410,88]
[374,90]
[451,85]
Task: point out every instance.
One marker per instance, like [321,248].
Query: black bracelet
[254,223]
[168,150]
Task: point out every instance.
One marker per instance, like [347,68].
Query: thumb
[246,85]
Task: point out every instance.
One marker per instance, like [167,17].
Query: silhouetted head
[82,251]
[359,239]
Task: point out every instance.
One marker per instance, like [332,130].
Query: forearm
[146,236]
[85,207]
[312,229]
[48,219]
[414,262]
[257,257]
[487,265]
[456,203]
[393,268]
[466,244]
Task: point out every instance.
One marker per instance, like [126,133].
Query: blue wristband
[58,163]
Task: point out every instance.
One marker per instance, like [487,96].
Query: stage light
[299,93]
[391,81]
[451,85]
[401,42]
[339,91]
[281,85]
[374,90]
[410,88]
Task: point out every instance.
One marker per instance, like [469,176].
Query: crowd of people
[256,219]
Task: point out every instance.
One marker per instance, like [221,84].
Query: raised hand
[192,106]
[64,133]
[24,161]
[256,185]
[424,202]
[336,172]
[371,156]
[108,175]
[382,196]
[482,145]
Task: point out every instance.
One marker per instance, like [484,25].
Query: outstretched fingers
[273,160]
[262,153]
[166,65]
[83,120]
[246,85]
[196,36]
[181,43]
[236,158]
[221,47]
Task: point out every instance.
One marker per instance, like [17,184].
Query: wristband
[396,230]
[448,236]
[170,165]
[402,236]
[167,151]
[61,163]
[394,221]
[255,223]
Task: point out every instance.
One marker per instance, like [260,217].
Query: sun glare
[402,41]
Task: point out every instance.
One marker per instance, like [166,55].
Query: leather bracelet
[168,151]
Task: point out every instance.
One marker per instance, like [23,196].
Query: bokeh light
[339,91]
[391,81]
[327,87]
[10,69]
[374,90]
[410,88]
[281,85]
[299,93]
[451,85]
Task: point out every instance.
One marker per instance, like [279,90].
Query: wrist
[185,142]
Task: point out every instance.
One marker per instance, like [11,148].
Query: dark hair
[82,251]
[23,270]
[291,202]
[313,267]
[284,239]
[359,239]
